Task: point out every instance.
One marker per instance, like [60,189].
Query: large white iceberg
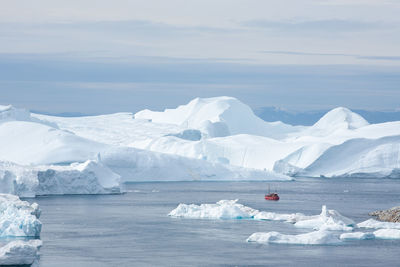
[320,237]
[225,131]
[18,218]
[20,252]
[90,177]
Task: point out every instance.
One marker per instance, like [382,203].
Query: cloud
[297,53]
[330,25]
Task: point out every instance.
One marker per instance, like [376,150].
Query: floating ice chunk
[371,223]
[18,218]
[320,237]
[272,216]
[357,236]
[223,209]
[387,234]
[20,252]
[90,177]
[327,220]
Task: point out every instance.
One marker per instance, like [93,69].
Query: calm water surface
[133,229]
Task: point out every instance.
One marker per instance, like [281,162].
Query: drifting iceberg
[357,236]
[327,220]
[320,237]
[223,209]
[371,223]
[387,234]
[90,177]
[18,218]
[20,253]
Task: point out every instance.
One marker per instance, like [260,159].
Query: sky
[125,55]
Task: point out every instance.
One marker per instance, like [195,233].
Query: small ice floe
[223,209]
[327,220]
[20,252]
[387,234]
[357,236]
[374,224]
[18,218]
[320,237]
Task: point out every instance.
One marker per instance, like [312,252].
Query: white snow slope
[225,131]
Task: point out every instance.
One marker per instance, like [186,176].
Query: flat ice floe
[357,236]
[320,237]
[374,224]
[20,252]
[18,218]
[223,209]
[387,234]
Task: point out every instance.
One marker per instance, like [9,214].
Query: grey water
[133,229]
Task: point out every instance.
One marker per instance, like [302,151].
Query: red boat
[271,196]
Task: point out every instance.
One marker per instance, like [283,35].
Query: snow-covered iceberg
[357,236]
[90,177]
[327,220]
[223,209]
[18,218]
[387,234]
[223,130]
[231,209]
[320,237]
[20,252]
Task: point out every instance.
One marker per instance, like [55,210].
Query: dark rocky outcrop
[390,215]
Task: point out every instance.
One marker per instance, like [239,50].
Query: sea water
[133,229]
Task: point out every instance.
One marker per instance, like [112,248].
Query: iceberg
[223,209]
[371,223]
[90,177]
[327,220]
[357,236]
[387,234]
[320,237]
[18,218]
[20,252]
[218,130]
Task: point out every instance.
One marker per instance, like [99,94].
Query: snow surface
[18,218]
[320,237]
[374,224]
[20,253]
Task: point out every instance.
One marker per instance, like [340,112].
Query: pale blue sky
[105,56]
